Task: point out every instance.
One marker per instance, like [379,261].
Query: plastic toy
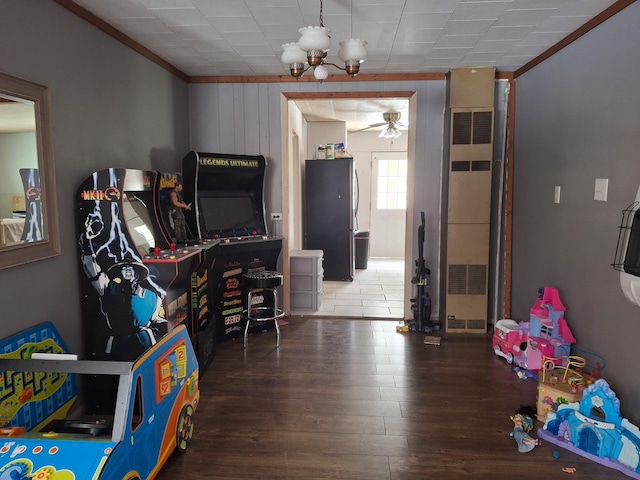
[520,435]
[595,429]
[147,413]
[546,334]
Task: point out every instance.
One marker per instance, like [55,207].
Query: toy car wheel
[497,350]
[509,358]
[185,428]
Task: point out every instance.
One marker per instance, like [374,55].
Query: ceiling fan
[392,121]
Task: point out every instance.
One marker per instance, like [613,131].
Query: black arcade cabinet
[227,194]
[135,287]
[204,328]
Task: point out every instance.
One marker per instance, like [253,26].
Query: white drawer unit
[306,279]
[306,261]
[307,301]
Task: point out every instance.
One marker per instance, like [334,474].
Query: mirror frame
[13,255]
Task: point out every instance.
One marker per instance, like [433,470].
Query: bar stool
[267,281]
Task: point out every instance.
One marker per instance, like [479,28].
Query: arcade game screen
[138,221]
[230,213]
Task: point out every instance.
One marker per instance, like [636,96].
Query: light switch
[556,194]
[602,188]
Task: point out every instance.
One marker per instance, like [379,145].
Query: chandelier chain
[321,19]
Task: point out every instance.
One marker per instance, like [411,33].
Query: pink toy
[546,334]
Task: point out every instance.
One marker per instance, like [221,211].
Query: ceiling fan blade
[370,126]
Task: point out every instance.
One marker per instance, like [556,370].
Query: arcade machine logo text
[111,194]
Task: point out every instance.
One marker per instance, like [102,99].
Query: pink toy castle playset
[545,335]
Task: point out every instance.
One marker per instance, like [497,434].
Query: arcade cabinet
[203,334]
[135,288]
[227,192]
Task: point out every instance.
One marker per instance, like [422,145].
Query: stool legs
[275,317]
[246,326]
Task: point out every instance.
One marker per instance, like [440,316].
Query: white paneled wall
[246,118]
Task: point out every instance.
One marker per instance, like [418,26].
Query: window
[136,417]
[392,184]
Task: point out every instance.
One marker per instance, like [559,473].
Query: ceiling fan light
[390,132]
[314,38]
[352,49]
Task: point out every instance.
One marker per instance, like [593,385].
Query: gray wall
[111,108]
[245,119]
[576,120]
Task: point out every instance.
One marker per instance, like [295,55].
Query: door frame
[289,190]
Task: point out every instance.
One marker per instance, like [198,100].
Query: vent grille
[476,126]
[460,166]
[456,324]
[477,325]
[457,279]
[467,280]
[477,280]
[482,122]
[462,128]
[481,166]
[461,325]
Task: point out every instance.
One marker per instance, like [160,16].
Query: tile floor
[376,291]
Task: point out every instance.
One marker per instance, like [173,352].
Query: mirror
[28,212]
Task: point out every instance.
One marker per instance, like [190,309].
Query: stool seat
[264,279]
[267,281]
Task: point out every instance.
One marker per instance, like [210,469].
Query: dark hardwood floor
[354,399]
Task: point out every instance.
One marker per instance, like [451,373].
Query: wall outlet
[276,216]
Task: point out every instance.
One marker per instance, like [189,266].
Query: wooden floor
[353,399]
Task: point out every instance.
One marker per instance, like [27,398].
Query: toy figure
[520,435]
[177,214]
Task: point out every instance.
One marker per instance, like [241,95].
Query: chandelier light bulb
[295,57]
[314,38]
[352,49]
[292,53]
[320,72]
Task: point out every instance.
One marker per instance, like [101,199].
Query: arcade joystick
[172,247]
[157,252]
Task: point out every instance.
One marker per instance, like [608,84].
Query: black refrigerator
[329,212]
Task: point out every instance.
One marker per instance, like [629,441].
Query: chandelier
[312,48]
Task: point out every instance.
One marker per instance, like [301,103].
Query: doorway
[383,288]
[388,205]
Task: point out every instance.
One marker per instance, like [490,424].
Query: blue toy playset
[595,429]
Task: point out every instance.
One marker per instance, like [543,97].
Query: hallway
[376,292]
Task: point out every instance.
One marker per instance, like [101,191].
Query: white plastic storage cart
[306,280]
